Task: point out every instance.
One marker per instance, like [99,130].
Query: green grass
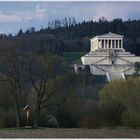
[74,57]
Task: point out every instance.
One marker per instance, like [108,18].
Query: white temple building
[108,57]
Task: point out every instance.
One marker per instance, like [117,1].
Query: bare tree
[45,85]
[11,69]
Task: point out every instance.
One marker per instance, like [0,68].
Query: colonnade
[110,43]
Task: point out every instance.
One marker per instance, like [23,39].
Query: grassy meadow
[74,57]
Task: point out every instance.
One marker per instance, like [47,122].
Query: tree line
[64,22]
[74,36]
[46,82]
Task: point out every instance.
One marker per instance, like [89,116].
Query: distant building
[108,57]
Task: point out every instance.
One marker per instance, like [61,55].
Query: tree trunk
[18,117]
[37,112]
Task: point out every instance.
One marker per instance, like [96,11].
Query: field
[74,57]
[70,133]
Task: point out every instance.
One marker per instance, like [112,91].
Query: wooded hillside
[68,36]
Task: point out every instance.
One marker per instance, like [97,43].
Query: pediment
[109,35]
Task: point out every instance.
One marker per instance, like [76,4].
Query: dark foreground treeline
[58,97]
[33,71]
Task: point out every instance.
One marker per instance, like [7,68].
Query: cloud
[38,13]
[8,17]
[80,10]
[108,10]
[111,10]
[93,10]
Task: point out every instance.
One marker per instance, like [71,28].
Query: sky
[17,15]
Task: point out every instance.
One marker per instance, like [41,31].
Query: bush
[52,122]
[90,120]
[7,119]
[112,111]
[117,98]
[67,118]
[131,119]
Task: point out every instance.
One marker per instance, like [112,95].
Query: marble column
[118,43]
[121,43]
[108,43]
[114,43]
[111,43]
[100,43]
[104,44]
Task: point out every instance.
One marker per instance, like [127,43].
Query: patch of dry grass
[70,133]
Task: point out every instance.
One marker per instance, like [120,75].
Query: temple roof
[107,35]
[110,34]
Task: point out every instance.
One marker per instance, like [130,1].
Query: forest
[34,71]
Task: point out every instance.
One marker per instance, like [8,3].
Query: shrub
[9,119]
[52,122]
[111,107]
[90,120]
[67,118]
[131,119]
[117,98]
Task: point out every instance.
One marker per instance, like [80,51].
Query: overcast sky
[16,15]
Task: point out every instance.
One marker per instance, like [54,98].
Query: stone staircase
[101,60]
[128,62]
[115,76]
